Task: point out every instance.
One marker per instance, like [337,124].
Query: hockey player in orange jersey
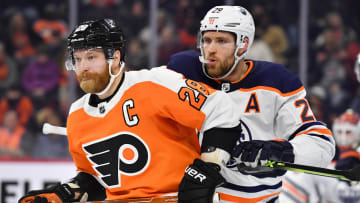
[134,133]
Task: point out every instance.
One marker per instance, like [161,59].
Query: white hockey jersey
[270,102]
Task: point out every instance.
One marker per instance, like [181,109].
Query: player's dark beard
[97,82]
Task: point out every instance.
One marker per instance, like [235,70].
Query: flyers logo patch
[120,154]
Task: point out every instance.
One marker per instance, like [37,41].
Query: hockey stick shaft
[349,175]
[141,200]
[52,129]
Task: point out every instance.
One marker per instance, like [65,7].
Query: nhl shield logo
[225,87]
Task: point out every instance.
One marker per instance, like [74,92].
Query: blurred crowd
[34,83]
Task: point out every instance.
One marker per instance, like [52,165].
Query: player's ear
[246,45]
[117,56]
[116,62]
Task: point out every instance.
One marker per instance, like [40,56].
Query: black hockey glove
[349,159]
[199,182]
[59,193]
[257,152]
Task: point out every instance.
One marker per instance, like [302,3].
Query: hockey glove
[59,193]
[349,159]
[257,152]
[199,182]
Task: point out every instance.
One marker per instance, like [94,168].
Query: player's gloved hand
[59,193]
[349,159]
[199,182]
[257,152]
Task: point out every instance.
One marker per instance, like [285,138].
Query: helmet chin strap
[112,77]
[237,59]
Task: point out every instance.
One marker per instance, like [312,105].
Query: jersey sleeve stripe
[290,195]
[298,189]
[316,130]
[350,154]
[252,189]
[268,174]
[306,126]
[320,136]
[294,191]
[272,90]
[230,198]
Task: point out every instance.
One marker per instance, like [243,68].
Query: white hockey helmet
[346,129]
[234,19]
[357,67]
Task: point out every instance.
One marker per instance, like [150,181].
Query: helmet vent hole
[232,24]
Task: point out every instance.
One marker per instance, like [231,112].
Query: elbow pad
[218,144]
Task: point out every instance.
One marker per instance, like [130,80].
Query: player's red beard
[93,82]
[220,68]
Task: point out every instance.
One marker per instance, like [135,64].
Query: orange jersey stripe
[294,191]
[272,90]
[321,131]
[231,198]
[350,154]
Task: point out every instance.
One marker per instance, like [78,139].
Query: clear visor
[75,56]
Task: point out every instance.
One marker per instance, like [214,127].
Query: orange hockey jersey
[139,143]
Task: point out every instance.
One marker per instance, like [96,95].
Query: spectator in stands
[11,134]
[342,34]
[338,99]
[96,9]
[337,44]
[50,28]
[20,39]
[163,20]
[15,100]
[9,75]
[188,30]
[41,78]
[52,145]
[273,35]
[168,45]
[317,96]
[136,56]
[260,50]
[138,18]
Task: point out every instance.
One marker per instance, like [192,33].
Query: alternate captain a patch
[253,104]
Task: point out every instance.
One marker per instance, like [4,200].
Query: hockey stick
[349,175]
[52,129]
[142,200]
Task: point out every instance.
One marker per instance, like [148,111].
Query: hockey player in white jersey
[306,188]
[276,119]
